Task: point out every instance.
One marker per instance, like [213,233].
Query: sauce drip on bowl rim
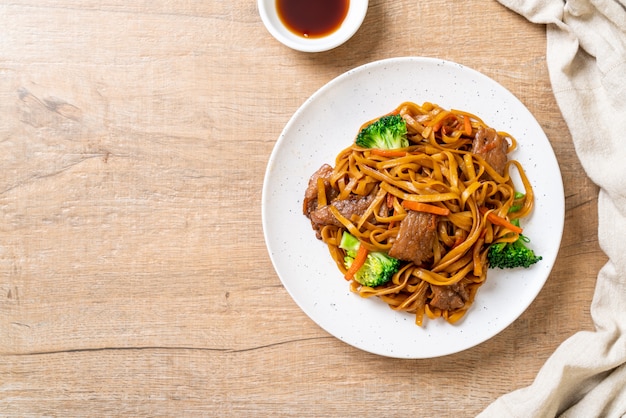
[312,18]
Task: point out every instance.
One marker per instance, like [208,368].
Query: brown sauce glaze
[312,18]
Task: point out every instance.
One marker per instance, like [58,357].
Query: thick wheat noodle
[440,169]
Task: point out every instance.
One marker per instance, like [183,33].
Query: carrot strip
[489,146]
[425,207]
[357,263]
[388,152]
[439,121]
[459,241]
[499,220]
[467,125]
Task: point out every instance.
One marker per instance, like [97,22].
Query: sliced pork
[310,195]
[355,205]
[449,297]
[492,148]
[416,237]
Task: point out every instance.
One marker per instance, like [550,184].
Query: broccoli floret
[509,255]
[388,132]
[379,267]
[518,202]
[349,242]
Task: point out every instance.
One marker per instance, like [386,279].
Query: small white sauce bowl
[356,14]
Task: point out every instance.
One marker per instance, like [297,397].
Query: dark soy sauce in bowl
[312,18]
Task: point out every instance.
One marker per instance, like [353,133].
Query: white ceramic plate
[328,122]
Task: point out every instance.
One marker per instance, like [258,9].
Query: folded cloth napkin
[586,59]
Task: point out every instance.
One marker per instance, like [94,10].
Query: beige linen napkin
[586,58]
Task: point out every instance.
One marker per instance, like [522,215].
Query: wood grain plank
[134,278]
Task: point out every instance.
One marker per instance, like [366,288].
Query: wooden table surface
[134,277]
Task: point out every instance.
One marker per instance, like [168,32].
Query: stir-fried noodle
[452,164]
